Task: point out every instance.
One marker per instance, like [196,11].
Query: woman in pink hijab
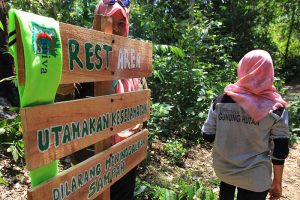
[249,127]
[118,10]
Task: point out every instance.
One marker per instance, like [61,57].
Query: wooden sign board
[90,55]
[57,130]
[91,177]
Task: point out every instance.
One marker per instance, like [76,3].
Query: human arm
[276,187]
[279,135]
[209,127]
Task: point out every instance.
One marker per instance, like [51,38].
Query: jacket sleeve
[209,127]
[280,138]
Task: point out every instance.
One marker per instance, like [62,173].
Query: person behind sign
[246,123]
[119,12]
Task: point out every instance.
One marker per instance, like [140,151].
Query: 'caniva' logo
[45,43]
[45,40]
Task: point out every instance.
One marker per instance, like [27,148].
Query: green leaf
[14,109]
[1,26]
[168,195]
[4,122]
[177,51]
[9,149]
[15,154]
[2,130]
[190,192]
[14,151]
[139,190]
[3,182]
[164,48]
[211,195]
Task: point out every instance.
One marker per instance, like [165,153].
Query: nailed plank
[93,176]
[90,56]
[57,130]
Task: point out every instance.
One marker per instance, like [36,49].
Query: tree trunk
[7,88]
[289,36]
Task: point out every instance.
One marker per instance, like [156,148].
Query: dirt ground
[197,164]
[291,176]
[16,178]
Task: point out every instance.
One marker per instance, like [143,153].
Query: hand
[136,128]
[275,190]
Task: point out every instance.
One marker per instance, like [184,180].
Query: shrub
[294,120]
[180,191]
[175,150]
[11,137]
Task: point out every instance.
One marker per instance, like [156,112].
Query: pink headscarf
[125,85]
[109,10]
[254,91]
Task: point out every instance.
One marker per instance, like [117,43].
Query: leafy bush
[11,137]
[189,83]
[158,122]
[75,12]
[180,191]
[175,150]
[196,191]
[2,181]
[294,120]
[198,44]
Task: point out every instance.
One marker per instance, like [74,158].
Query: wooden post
[104,24]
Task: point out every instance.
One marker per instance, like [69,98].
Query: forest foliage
[197,45]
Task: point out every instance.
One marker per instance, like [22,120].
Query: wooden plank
[104,24]
[20,51]
[57,130]
[121,57]
[91,177]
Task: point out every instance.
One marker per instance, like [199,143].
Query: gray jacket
[243,148]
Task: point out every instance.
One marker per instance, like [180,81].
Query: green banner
[43,68]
